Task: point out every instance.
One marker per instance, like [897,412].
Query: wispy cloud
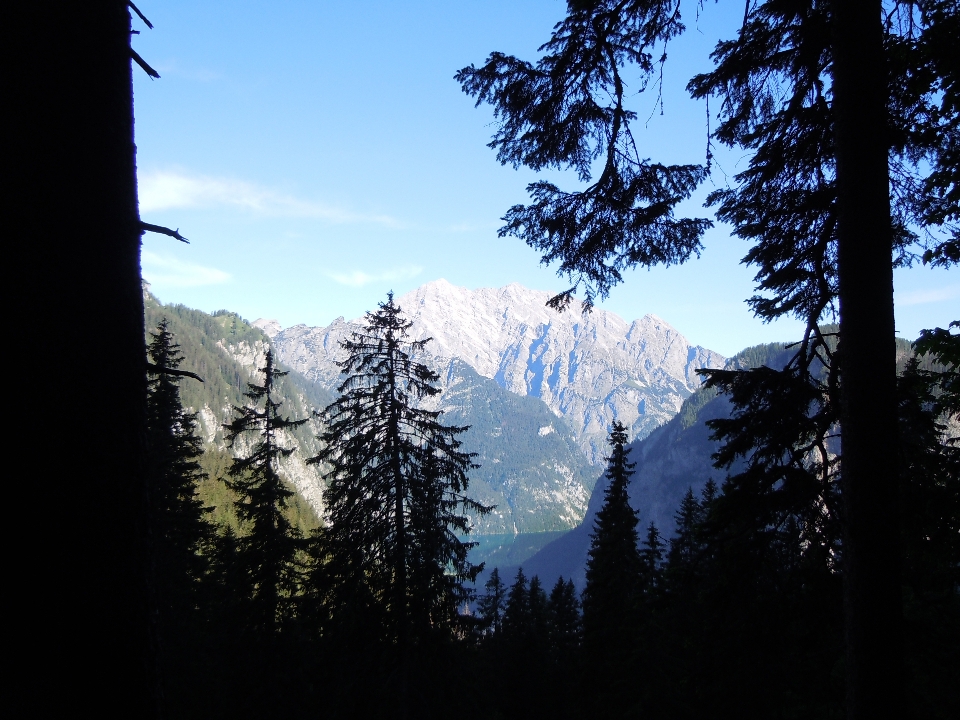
[358,278]
[165,190]
[922,297]
[165,270]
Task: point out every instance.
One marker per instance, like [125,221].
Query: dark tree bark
[71,169]
[868,364]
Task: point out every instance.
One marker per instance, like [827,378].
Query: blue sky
[319,154]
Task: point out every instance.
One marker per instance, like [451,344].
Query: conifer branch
[158,370]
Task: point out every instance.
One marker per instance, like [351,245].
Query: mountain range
[670,461]
[589,369]
[537,388]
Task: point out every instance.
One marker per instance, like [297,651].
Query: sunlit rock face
[589,369]
[270,327]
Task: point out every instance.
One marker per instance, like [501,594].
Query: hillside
[672,459]
[224,349]
[531,467]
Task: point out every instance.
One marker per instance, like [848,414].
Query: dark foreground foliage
[739,614]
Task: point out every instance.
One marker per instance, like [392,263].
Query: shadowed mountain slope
[672,459]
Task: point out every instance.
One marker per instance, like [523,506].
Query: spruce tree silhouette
[182,534]
[564,627]
[539,621]
[180,525]
[267,554]
[651,562]
[610,597]
[180,522]
[491,605]
[516,615]
[395,495]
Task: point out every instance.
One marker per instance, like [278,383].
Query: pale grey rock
[590,369]
[305,478]
[270,327]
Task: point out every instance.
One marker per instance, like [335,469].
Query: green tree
[516,614]
[396,487]
[685,544]
[539,619]
[267,552]
[613,561]
[564,628]
[181,530]
[651,561]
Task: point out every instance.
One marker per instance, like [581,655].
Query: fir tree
[613,561]
[564,632]
[538,619]
[179,523]
[611,595]
[516,614]
[491,605]
[685,546]
[267,553]
[182,535]
[396,488]
[651,561]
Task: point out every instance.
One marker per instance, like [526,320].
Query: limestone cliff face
[589,369]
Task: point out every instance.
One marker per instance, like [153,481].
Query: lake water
[509,550]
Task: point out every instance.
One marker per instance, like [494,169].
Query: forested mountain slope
[530,465]
[671,460]
[225,350]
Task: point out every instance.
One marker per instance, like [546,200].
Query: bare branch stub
[143,64]
[140,15]
[161,230]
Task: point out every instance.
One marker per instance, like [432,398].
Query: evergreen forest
[264,609]
[818,576]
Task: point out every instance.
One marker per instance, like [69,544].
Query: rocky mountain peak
[270,327]
[590,369]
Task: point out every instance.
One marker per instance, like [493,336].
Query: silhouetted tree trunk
[70,161]
[868,364]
